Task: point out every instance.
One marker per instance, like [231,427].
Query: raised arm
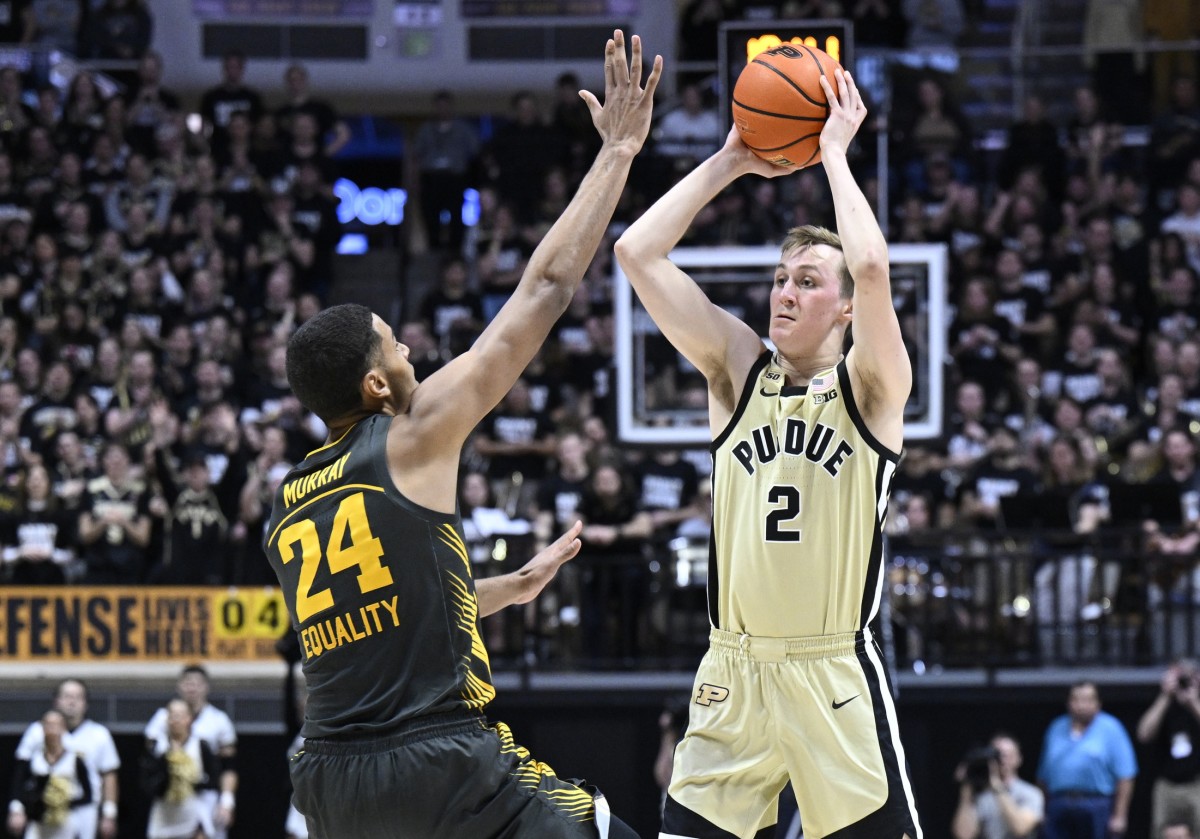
[718,344]
[878,362]
[462,393]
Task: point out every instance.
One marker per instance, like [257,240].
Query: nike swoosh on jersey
[764,392]
[837,705]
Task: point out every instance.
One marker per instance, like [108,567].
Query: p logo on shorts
[707,694]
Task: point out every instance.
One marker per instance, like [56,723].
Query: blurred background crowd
[156,254]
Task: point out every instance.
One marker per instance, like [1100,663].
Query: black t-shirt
[379,590]
[1175,747]
[561,497]
[667,486]
[442,312]
[507,427]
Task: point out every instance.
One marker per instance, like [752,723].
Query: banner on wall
[226,9]
[161,624]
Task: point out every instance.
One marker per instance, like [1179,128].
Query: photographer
[1170,728]
[993,803]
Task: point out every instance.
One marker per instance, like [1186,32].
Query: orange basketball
[779,106]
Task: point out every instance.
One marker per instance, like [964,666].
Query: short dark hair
[327,358]
[198,669]
[72,680]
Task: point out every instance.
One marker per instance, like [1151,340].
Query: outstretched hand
[624,118]
[846,112]
[540,570]
[749,162]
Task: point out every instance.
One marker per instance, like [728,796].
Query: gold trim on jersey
[462,598]
[316,498]
[333,443]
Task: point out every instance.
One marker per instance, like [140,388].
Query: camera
[977,763]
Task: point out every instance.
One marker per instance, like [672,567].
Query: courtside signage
[168,624]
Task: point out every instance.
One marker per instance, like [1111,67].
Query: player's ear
[374,386]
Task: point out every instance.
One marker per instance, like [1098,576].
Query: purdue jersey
[379,590]
[800,489]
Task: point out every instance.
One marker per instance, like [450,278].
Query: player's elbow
[636,246]
[868,265]
[626,250]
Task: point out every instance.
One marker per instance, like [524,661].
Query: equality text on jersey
[816,445]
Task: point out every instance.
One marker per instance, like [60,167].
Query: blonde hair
[799,238]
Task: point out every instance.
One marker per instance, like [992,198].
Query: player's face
[395,366]
[806,298]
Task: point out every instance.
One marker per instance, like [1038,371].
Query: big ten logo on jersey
[823,388]
[248,622]
[707,694]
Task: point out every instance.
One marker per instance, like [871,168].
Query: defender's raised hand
[624,118]
[846,112]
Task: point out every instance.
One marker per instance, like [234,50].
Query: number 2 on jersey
[787,507]
[364,551]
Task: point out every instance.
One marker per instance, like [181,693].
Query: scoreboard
[741,41]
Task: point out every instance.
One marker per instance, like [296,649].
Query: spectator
[1003,472]
[207,724]
[516,440]
[982,341]
[228,97]
[120,29]
[669,489]
[453,311]
[1170,728]
[332,132]
[196,540]
[1113,43]
[1176,830]
[91,741]
[114,522]
[995,803]
[1175,136]
[1033,143]
[179,773]
[50,787]
[39,537]
[614,574]
[150,105]
[1087,770]
[444,154]
[52,25]
[690,132]
[519,155]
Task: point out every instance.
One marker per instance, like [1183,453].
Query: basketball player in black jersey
[368,548]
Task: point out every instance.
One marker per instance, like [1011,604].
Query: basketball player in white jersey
[805,443]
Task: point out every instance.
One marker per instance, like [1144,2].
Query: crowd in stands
[150,275]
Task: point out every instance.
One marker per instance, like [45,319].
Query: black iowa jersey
[379,590]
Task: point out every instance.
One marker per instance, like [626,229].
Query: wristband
[108,809]
[226,800]
[16,808]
